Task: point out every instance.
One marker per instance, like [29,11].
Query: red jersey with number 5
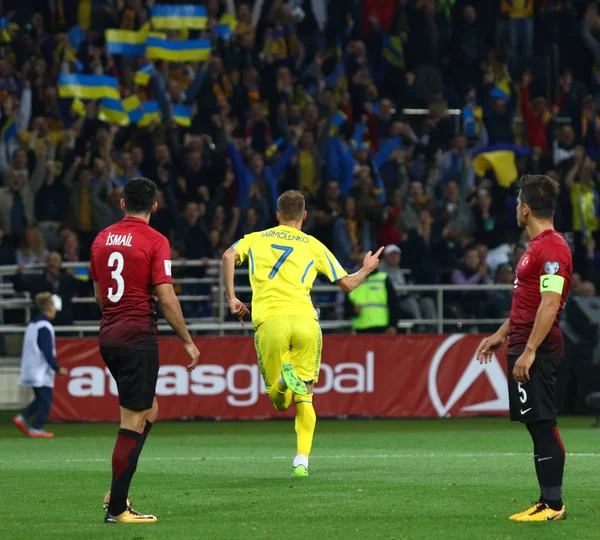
[548,254]
[128,259]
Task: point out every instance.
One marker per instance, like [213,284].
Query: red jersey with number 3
[128,259]
[548,255]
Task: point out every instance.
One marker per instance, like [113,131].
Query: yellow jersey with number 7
[283,263]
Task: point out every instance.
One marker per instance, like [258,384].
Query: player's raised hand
[239,309]
[194,354]
[486,348]
[371,261]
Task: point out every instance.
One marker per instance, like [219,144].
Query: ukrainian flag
[182,114]
[150,112]
[175,17]
[501,159]
[9,130]
[78,108]
[88,86]
[192,50]
[223,31]
[226,27]
[126,42]
[4,35]
[125,112]
[144,74]
[113,112]
[229,20]
[393,51]
[274,147]
[338,120]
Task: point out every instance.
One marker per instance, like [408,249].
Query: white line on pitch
[317,457]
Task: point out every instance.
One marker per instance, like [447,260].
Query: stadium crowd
[310,95]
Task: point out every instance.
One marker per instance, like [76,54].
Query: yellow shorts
[289,338]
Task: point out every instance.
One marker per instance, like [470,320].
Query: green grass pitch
[414,479]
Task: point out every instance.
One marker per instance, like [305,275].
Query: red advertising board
[383,376]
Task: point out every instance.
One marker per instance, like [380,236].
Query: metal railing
[456,115]
[218,323]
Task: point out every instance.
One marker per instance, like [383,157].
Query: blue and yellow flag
[113,112]
[144,74]
[126,42]
[274,147]
[393,51]
[78,108]
[4,34]
[88,86]
[500,158]
[338,120]
[9,130]
[150,112]
[192,50]
[182,114]
[226,27]
[223,31]
[176,17]
[122,112]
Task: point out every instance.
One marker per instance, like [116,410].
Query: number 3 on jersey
[287,251]
[116,258]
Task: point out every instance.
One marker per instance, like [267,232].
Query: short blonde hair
[43,301]
[291,205]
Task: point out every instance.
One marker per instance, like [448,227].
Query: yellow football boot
[525,513]
[544,513]
[130,516]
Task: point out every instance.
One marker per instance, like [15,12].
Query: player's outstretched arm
[171,308]
[370,263]
[230,258]
[489,344]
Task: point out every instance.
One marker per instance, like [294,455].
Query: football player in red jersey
[129,260]
[536,345]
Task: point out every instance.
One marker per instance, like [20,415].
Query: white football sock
[300,460]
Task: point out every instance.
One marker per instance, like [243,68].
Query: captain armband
[552,283]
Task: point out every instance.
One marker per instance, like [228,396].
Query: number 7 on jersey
[287,251]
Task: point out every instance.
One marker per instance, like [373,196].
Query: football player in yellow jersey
[283,264]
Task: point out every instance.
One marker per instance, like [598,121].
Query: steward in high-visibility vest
[374,305]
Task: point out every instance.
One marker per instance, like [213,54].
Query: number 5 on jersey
[287,251]
[116,258]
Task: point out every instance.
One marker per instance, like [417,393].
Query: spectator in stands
[410,305]
[537,116]
[32,249]
[51,204]
[424,251]
[499,109]
[17,203]
[505,275]
[38,367]
[7,252]
[473,271]
[491,229]
[191,231]
[54,280]
[327,209]
[582,181]
[564,145]
[106,204]
[469,50]
[454,212]
[351,236]
[518,34]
